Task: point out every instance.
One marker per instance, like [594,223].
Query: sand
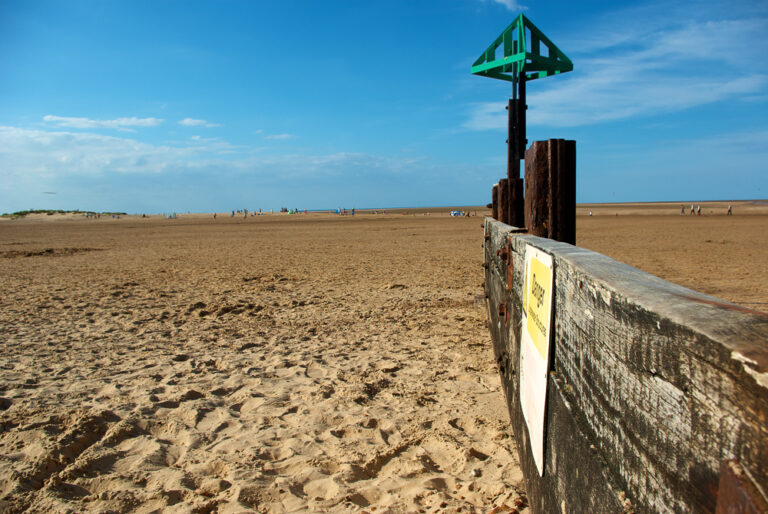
[283,363]
[271,364]
[720,255]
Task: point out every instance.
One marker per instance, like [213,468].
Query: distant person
[730,210]
[214,215]
[698,210]
[693,211]
[590,213]
[682,210]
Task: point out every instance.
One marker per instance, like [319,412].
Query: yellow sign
[538,302]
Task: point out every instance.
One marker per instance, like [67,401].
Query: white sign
[534,347]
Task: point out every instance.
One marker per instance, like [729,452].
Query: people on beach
[730,210]
[698,210]
[682,210]
[693,211]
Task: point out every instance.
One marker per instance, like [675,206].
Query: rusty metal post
[550,190]
[513,152]
[522,141]
[516,143]
[495,202]
[503,194]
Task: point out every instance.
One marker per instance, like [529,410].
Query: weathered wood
[651,386]
[562,190]
[516,203]
[537,189]
[503,193]
[550,190]
[495,202]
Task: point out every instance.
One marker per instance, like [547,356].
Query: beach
[289,362]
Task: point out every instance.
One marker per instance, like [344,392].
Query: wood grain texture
[503,203]
[652,385]
[550,189]
[495,202]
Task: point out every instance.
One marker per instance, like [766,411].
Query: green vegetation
[51,212]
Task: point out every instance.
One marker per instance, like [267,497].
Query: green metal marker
[527,55]
[522,43]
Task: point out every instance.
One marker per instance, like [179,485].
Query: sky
[161,106]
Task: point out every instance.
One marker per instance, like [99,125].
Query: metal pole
[516,142]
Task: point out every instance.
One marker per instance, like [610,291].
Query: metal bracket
[510,264]
[503,311]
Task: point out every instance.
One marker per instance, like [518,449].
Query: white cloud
[512,5]
[644,71]
[191,122]
[57,153]
[280,136]
[28,154]
[118,123]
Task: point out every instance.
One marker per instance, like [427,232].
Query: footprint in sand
[315,370]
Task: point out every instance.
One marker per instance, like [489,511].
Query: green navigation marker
[527,53]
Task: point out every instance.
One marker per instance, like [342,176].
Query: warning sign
[534,346]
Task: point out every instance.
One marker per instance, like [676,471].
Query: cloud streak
[87,123]
[512,5]
[191,122]
[646,72]
[39,153]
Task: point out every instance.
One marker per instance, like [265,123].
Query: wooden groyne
[656,395]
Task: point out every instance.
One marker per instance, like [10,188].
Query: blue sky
[158,106]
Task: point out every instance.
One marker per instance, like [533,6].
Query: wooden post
[536,189]
[562,190]
[503,194]
[495,202]
[516,203]
[550,190]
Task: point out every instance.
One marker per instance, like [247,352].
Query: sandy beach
[288,362]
